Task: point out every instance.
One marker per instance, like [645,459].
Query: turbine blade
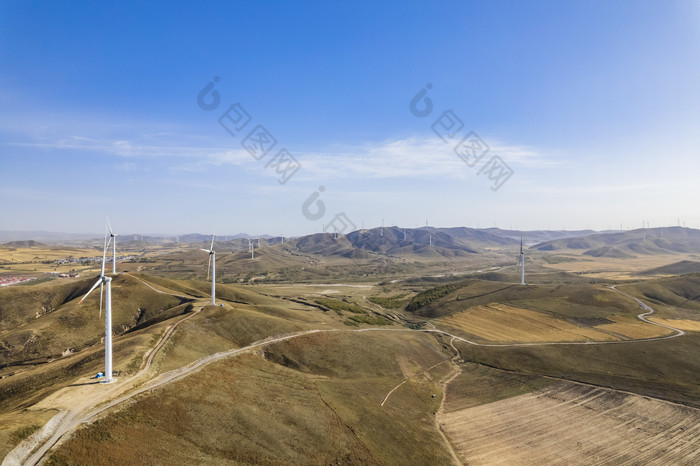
[104,254]
[209,267]
[93,287]
[101,289]
[212,241]
[109,225]
[206,250]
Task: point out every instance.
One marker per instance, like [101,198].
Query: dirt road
[88,410]
[65,422]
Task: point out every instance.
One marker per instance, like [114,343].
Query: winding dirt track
[65,421]
[33,450]
[643,317]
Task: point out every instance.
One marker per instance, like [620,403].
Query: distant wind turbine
[113,238]
[212,264]
[102,281]
[521,262]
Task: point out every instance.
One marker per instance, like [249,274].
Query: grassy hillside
[46,320]
[667,369]
[675,298]
[626,244]
[312,400]
[573,302]
[677,268]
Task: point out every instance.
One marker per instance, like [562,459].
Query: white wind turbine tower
[104,280]
[212,263]
[113,238]
[521,262]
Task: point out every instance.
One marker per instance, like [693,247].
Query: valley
[396,360]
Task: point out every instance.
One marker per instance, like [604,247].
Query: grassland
[312,400]
[477,385]
[42,259]
[318,398]
[665,369]
[45,322]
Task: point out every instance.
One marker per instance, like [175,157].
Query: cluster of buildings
[87,260]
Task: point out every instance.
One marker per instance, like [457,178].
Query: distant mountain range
[424,241]
[667,240]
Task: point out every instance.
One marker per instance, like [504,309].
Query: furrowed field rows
[504,323]
[576,424]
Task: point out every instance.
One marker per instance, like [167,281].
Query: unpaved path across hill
[643,317]
[65,421]
[88,410]
[91,407]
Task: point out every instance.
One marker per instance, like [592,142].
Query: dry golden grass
[320,404]
[30,260]
[16,426]
[503,323]
[44,253]
[477,385]
[615,268]
[219,328]
[682,324]
[633,328]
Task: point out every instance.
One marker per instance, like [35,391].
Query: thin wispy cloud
[413,157]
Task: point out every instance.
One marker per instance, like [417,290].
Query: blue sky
[593,106]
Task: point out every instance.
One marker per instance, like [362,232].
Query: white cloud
[408,158]
[413,157]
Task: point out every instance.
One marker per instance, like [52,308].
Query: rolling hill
[669,240]
[24,244]
[677,268]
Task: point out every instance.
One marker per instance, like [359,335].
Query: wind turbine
[212,263]
[104,280]
[521,262]
[113,238]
